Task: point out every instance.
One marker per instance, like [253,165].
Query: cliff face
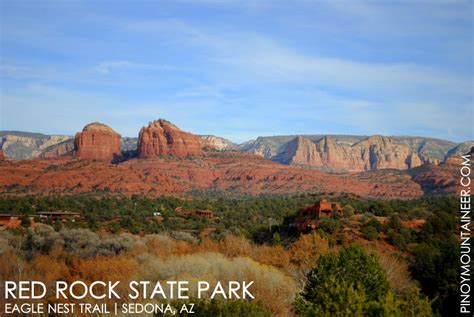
[455,157]
[217,143]
[23,146]
[336,153]
[372,153]
[97,141]
[2,157]
[300,151]
[161,137]
[59,150]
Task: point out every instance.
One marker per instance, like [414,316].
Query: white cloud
[269,60]
[105,68]
[253,57]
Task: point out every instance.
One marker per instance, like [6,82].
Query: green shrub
[370,233]
[397,239]
[381,208]
[329,224]
[352,283]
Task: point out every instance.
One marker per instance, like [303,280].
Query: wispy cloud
[258,57]
[272,61]
[240,70]
[105,68]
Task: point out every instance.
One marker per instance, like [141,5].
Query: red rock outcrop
[97,141]
[161,137]
[456,158]
[301,151]
[414,160]
[2,156]
[228,172]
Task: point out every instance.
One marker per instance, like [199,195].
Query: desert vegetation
[398,257]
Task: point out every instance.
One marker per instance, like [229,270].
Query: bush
[395,222]
[25,221]
[348,211]
[370,233]
[329,224]
[41,239]
[352,283]
[271,286]
[381,208]
[435,265]
[351,265]
[372,222]
[397,239]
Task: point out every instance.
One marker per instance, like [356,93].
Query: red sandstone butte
[161,137]
[97,141]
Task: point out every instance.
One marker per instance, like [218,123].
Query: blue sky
[239,69]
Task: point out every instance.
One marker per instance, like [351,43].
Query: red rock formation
[161,137]
[228,172]
[2,157]
[300,151]
[97,141]
[457,158]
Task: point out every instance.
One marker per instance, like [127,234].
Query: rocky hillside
[342,153]
[24,145]
[64,148]
[214,172]
[218,143]
[373,153]
[333,153]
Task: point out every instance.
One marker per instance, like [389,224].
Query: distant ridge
[327,152]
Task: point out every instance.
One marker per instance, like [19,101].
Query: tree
[435,265]
[351,267]
[352,283]
[370,233]
[348,211]
[25,221]
[336,298]
[329,224]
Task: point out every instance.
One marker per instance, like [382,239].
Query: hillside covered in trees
[408,247]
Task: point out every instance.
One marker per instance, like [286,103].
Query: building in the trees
[58,215]
[197,213]
[13,221]
[9,221]
[308,217]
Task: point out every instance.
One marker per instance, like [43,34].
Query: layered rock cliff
[456,155]
[58,150]
[161,137]
[373,153]
[217,143]
[337,153]
[97,141]
[24,145]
